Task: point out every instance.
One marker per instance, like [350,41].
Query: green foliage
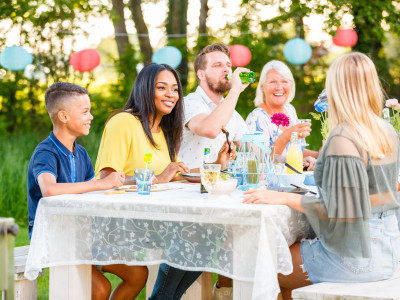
[45,28]
[267,43]
[126,75]
[393,114]
[324,123]
[315,116]
[15,152]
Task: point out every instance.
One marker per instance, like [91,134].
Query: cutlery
[227,135]
[293,169]
[314,193]
[130,179]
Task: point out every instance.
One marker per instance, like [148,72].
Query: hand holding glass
[144,178]
[304,121]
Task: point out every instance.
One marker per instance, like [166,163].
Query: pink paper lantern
[85,60]
[240,55]
[345,37]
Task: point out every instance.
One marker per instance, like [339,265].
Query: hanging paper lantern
[345,37]
[85,60]
[240,55]
[15,58]
[168,55]
[297,51]
[34,72]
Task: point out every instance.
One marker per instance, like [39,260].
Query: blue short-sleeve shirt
[51,156]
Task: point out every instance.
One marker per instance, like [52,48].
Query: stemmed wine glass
[304,121]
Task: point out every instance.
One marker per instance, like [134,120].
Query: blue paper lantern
[15,58]
[297,51]
[168,55]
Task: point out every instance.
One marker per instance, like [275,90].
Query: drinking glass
[302,121]
[144,178]
[209,174]
[273,177]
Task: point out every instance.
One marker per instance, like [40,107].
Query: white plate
[154,188]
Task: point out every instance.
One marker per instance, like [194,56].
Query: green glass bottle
[244,77]
[206,160]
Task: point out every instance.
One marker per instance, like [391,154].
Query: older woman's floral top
[259,120]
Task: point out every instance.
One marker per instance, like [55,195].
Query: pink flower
[397,106]
[280,119]
[391,102]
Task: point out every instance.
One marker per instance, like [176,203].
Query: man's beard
[218,87]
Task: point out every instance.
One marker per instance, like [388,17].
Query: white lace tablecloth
[180,227]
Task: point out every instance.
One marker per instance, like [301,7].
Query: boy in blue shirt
[61,166]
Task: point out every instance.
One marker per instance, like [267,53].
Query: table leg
[151,279]
[201,289]
[70,282]
[242,290]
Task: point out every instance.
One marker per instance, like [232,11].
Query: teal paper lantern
[297,51]
[15,58]
[168,55]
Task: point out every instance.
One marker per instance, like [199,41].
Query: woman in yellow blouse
[151,120]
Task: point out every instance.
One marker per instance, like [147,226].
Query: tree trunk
[299,74]
[203,16]
[177,24]
[121,36]
[141,28]
[298,18]
[202,39]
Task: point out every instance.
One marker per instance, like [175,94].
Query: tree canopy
[48,30]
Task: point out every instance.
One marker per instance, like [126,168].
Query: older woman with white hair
[274,93]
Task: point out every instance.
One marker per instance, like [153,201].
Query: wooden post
[71,282]
[7,258]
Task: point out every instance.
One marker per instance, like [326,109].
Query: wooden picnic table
[179,226]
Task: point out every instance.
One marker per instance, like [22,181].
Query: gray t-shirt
[352,186]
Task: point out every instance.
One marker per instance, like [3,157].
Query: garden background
[53,29]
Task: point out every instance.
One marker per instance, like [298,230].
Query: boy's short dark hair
[58,94]
[200,60]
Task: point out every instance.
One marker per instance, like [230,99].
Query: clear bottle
[386,114]
[294,156]
[206,160]
[249,77]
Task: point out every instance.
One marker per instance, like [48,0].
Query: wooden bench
[24,289]
[378,290]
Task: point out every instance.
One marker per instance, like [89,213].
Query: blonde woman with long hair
[358,239]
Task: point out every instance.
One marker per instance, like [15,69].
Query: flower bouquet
[321,106]
[279,119]
[392,113]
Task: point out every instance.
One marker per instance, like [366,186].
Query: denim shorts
[325,266]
